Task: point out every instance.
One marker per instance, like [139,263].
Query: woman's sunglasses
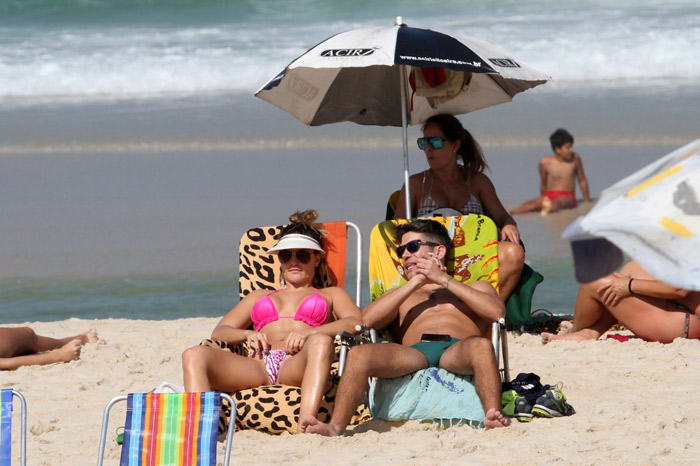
[302,256]
[436,141]
[414,246]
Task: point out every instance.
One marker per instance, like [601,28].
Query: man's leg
[383,360]
[474,355]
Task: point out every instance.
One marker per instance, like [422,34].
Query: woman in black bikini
[456,184]
[649,308]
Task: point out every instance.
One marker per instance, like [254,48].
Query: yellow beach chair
[275,408]
[473,256]
[7,396]
[169,429]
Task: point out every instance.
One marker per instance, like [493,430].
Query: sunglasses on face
[436,141]
[414,246]
[302,256]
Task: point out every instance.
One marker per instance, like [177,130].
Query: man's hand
[430,270]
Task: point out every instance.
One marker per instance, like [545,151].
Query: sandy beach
[633,404]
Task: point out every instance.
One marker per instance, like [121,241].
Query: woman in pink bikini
[456,184]
[293,328]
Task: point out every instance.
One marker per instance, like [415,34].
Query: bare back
[433,309]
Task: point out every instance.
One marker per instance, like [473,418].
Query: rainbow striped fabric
[173,429]
[6,427]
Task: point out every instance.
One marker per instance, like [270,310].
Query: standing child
[558,173]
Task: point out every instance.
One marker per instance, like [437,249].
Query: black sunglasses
[302,256]
[414,246]
[436,141]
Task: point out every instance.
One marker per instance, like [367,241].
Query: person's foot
[546,206]
[494,419]
[88,336]
[311,425]
[69,352]
[547,337]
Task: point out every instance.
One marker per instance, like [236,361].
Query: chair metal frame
[23,427]
[116,399]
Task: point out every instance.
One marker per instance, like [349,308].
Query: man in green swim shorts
[438,321]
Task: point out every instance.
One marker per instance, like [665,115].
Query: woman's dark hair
[469,150]
[560,137]
[436,231]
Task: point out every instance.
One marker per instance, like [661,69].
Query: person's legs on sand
[475,355]
[383,360]
[309,370]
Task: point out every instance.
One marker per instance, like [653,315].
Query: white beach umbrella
[653,216]
[397,76]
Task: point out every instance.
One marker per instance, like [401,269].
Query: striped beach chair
[7,395]
[169,429]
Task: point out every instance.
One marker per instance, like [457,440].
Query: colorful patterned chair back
[6,408]
[259,270]
[473,256]
[170,429]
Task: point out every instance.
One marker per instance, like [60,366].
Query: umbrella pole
[404,127]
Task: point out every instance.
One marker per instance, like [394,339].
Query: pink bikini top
[312,311]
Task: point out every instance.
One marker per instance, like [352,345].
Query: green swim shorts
[432,350]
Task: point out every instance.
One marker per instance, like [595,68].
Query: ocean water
[133,153]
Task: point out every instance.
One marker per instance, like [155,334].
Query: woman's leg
[309,369]
[205,368]
[591,318]
[511,258]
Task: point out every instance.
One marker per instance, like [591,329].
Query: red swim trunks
[552,195]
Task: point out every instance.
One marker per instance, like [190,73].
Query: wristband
[448,282]
[629,286]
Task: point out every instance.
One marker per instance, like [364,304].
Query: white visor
[296,241]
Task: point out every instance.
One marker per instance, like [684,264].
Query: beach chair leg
[105,422]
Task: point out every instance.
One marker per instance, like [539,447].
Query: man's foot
[69,352]
[546,206]
[311,425]
[495,418]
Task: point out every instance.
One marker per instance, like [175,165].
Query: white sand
[635,404]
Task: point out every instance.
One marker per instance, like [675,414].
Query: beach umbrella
[653,216]
[397,76]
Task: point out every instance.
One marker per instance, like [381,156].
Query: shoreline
[632,404]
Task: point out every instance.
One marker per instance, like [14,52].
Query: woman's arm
[233,327]
[622,286]
[347,314]
[415,182]
[484,190]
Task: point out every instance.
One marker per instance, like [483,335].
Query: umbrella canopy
[653,216]
[397,76]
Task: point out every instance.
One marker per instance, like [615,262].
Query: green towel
[519,303]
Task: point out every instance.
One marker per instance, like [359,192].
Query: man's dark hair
[434,230]
[560,137]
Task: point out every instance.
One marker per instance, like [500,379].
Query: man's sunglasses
[436,141]
[414,246]
[302,256]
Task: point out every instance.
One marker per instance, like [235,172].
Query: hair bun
[307,217]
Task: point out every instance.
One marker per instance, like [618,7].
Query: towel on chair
[451,397]
[520,301]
